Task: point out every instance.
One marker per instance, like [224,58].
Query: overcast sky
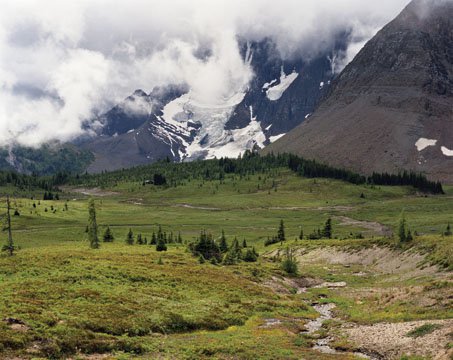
[64,61]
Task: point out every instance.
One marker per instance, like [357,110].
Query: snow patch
[269,127]
[423,143]
[269,84]
[307,116]
[275,92]
[321,84]
[276,137]
[446,151]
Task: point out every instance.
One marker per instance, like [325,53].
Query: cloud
[65,62]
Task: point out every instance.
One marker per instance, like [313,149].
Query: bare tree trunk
[10,234]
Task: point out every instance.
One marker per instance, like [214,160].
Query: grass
[132,302]
[423,330]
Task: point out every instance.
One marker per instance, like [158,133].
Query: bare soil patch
[188,206]
[390,340]
[375,259]
[370,226]
[92,192]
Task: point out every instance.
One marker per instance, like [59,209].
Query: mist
[63,63]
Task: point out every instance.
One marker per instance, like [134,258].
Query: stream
[322,344]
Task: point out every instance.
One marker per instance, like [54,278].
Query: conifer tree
[327,231]
[289,264]
[9,247]
[402,234]
[281,232]
[92,226]
[108,235]
[130,237]
[179,238]
[409,236]
[448,231]
[139,239]
[153,239]
[161,246]
[223,246]
[244,244]
[250,255]
[234,254]
[301,234]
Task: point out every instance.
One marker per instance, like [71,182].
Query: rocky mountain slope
[392,106]
[171,122]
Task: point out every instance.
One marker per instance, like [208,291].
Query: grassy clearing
[119,300]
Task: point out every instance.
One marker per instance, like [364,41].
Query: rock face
[392,106]
[169,122]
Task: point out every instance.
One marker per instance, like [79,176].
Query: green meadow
[61,299]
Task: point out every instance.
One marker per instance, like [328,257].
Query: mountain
[171,122]
[48,159]
[392,106]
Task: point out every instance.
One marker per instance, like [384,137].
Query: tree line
[325,233]
[166,173]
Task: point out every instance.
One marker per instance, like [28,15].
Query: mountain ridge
[396,92]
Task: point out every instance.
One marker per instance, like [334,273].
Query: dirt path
[188,206]
[370,226]
[391,340]
[91,192]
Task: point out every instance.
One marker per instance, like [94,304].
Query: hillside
[61,299]
[391,108]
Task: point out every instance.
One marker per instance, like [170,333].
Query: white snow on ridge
[269,84]
[239,140]
[447,152]
[273,139]
[211,140]
[423,143]
[275,92]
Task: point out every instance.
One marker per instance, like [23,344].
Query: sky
[62,63]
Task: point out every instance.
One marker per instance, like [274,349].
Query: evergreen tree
[161,245]
[409,236]
[281,232]
[448,231]
[289,264]
[223,246]
[139,239]
[179,238]
[402,229]
[301,235]
[145,241]
[153,239]
[160,234]
[9,247]
[327,231]
[244,244]
[108,235]
[92,226]
[234,254]
[206,246]
[130,237]
[250,255]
